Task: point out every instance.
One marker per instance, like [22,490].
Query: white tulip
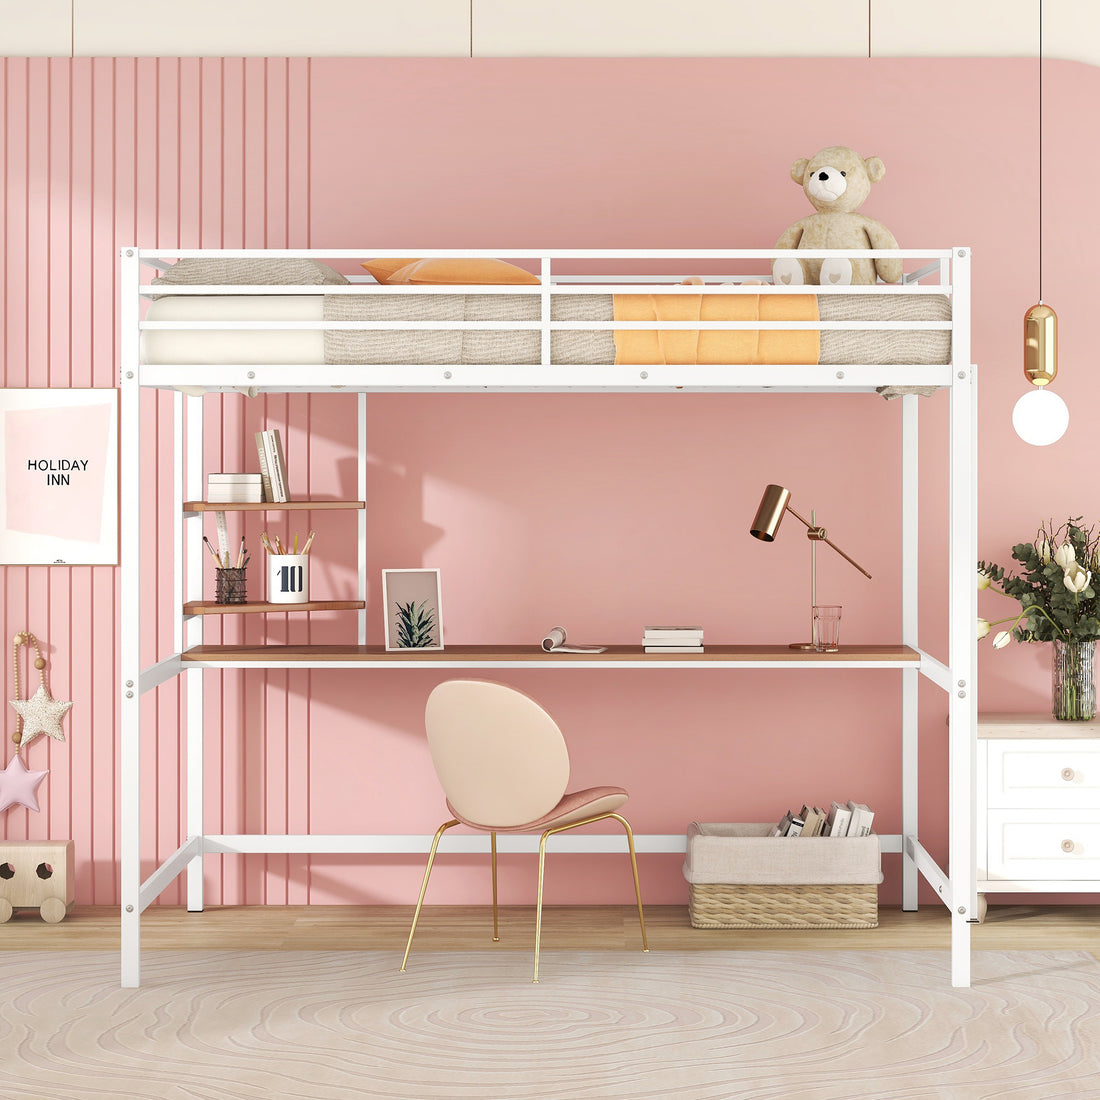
[1002,639]
[984,580]
[1076,578]
[1043,549]
[1064,556]
[983,628]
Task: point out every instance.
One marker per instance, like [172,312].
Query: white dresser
[1038,813]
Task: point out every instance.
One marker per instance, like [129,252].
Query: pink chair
[504,766]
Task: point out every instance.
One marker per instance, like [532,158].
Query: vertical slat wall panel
[166,154]
[292,221]
[96,153]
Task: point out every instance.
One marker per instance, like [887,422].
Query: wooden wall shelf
[209,607]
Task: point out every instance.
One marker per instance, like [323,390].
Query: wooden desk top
[487,655]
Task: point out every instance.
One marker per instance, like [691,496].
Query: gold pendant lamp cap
[772,506]
[1040,345]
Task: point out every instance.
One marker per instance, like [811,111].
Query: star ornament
[17,785]
[41,714]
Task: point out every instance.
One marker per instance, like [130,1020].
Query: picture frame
[59,476]
[413,603]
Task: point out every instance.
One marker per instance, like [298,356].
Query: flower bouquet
[1057,604]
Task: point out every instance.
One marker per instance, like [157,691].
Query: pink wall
[603,513]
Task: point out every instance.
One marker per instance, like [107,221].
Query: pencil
[266,541]
[305,549]
[240,553]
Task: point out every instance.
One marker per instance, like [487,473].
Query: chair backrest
[500,758]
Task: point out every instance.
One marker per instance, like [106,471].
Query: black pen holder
[229,585]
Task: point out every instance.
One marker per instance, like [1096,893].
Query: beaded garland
[38,713]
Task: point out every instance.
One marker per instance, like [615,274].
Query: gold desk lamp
[773,504]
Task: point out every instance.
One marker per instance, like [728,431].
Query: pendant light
[1040,417]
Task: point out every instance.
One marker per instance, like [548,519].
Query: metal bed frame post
[190,549]
[910,636]
[130,608]
[361,514]
[963,613]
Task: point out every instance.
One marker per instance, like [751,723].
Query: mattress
[446,347]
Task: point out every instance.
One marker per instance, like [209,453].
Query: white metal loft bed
[944,272]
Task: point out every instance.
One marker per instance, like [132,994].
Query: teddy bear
[836,180]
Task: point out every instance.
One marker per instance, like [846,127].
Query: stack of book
[234,488]
[843,819]
[269,447]
[673,639]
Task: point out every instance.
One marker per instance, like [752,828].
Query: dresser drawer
[1026,773]
[1044,844]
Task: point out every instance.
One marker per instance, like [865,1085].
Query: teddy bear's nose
[823,175]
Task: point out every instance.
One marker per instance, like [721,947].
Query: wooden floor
[469,928]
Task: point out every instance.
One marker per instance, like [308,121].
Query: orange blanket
[716,346]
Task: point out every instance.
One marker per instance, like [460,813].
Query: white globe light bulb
[1040,417]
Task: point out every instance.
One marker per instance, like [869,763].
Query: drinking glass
[826,628]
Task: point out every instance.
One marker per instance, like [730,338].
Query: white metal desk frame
[956,887]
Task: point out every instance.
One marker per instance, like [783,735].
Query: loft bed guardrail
[571,329]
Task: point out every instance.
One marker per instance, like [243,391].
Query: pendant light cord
[1040,152]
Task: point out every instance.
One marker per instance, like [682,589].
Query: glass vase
[1073,685]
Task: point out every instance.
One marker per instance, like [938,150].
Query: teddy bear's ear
[798,170]
[875,169]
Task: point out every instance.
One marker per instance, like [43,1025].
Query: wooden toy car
[37,874]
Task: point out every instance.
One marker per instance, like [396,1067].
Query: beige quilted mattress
[248,347]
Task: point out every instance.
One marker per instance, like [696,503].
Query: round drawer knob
[1068,774]
[1068,845]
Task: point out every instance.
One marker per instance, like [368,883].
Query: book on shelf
[269,448]
[790,824]
[280,464]
[265,473]
[556,641]
[673,639]
[814,818]
[840,817]
[673,635]
[239,494]
[862,818]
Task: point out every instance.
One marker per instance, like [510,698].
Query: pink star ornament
[17,785]
[41,714]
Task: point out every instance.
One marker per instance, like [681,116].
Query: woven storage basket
[739,877]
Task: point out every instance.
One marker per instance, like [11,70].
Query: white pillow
[219,271]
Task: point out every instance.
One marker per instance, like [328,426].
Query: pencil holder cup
[287,578]
[229,586]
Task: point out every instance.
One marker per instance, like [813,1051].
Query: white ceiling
[550,28]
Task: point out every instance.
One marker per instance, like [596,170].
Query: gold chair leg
[538,901]
[634,869]
[493,849]
[424,887]
[542,864]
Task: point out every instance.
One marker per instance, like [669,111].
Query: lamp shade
[1040,417]
[772,506]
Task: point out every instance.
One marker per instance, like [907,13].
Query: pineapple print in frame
[413,607]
